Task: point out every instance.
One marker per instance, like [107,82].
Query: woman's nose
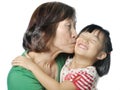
[74,34]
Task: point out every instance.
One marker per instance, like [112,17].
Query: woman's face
[65,36]
[89,44]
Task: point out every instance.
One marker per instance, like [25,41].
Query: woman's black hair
[102,66]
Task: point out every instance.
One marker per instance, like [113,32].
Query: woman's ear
[101,55]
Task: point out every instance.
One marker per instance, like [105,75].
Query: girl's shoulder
[91,70]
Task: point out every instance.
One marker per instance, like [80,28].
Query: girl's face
[89,44]
[65,36]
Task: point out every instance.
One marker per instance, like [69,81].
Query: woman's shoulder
[19,78]
[17,71]
[20,71]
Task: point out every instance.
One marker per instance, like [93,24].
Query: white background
[14,18]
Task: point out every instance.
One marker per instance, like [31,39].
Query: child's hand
[24,62]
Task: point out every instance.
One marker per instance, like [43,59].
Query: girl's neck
[80,62]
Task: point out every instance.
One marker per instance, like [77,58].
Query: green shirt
[22,79]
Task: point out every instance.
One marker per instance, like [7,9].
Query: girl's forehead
[95,33]
[98,33]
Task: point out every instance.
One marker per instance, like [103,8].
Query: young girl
[90,61]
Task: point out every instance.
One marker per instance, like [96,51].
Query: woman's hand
[24,62]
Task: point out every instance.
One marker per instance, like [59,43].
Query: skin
[88,49]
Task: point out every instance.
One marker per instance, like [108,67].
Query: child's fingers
[17,63]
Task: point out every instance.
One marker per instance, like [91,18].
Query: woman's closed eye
[68,26]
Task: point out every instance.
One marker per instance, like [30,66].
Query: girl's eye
[93,40]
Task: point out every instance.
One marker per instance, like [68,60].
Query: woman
[51,31]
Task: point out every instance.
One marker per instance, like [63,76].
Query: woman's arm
[48,82]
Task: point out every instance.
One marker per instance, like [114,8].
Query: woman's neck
[46,61]
[45,57]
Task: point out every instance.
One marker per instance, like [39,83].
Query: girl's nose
[84,40]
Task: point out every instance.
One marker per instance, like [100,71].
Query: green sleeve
[22,79]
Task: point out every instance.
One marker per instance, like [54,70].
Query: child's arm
[48,82]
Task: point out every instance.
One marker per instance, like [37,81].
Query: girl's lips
[85,47]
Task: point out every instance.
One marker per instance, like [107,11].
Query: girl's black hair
[102,66]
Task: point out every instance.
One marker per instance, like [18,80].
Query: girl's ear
[101,55]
